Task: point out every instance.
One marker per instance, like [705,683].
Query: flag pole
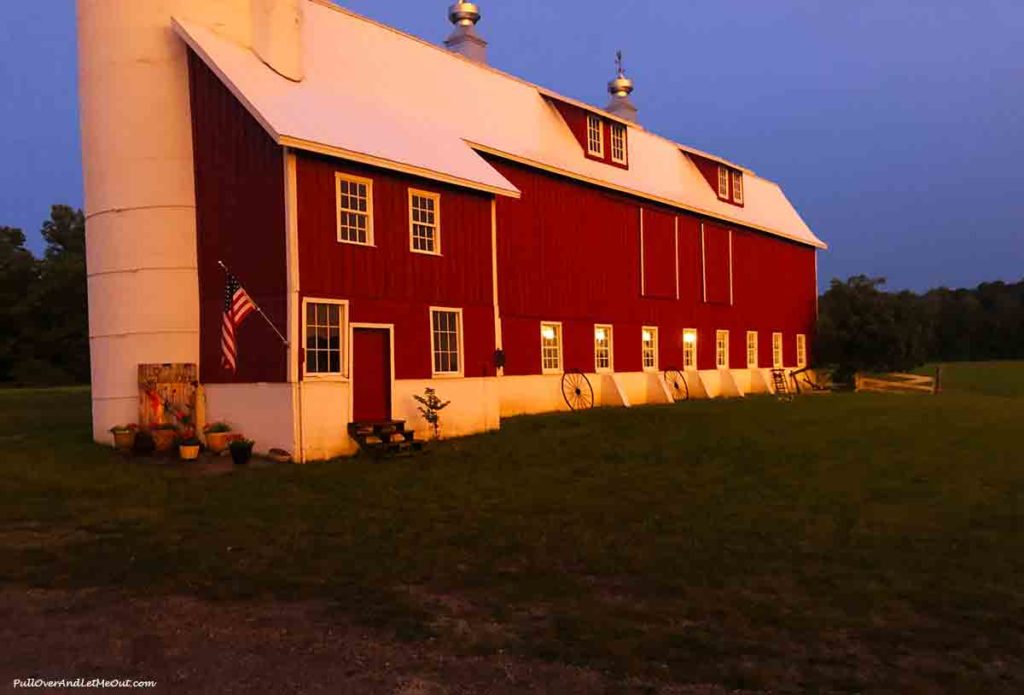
[259,310]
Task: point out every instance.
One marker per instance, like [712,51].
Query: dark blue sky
[895,126]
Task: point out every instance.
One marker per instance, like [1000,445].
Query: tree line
[861,327]
[44,325]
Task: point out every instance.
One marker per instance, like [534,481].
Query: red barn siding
[240,219]
[717,264]
[388,283]
[659,254]
[570,252]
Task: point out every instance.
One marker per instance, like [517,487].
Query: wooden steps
[384,438]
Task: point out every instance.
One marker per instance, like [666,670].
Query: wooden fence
[899,383]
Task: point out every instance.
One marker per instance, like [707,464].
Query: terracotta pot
[164,440]
[217,442]
[124,441]
[188,452]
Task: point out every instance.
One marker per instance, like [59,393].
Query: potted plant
[164,436]
[124,437]
[241,451]
[217,435]
[188,448]
[144,444]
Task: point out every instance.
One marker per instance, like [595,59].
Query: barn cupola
[620,88]
[464,40]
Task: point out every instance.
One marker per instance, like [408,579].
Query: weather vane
[618,63]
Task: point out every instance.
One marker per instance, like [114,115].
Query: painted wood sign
[167,395]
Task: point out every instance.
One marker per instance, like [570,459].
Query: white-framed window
[618,143]
[424,222]
[649,348]
[777,356]
[324,330]
[690,348]
[737,187]
[722,349]
[723,182]
[603,361]
[551,347]
[595,135]
[751,349]
[801,350]
[355,209]
[446,341]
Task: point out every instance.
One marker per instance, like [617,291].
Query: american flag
[237,306]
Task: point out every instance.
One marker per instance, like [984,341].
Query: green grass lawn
[846,542]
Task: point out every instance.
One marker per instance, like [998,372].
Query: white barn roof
[377,95]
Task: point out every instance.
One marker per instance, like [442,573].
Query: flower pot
[217,442]
[164,440]
[124,441]
[241,454]
[188,452]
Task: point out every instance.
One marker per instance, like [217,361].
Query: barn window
[355,209]
[425,222]
[324,328]
[722,349]
[723,182]
[603,348]
[618,143]
[690,349]
[446,341]
[595,135]
[551,348]
[737,187]
[649,347]
[752,349]
[777,355]
[801,350]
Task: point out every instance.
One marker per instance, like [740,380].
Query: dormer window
[618,143]
[723,182]
[595,136]
[737,187]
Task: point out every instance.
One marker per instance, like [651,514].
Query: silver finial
[464,14]
[621,86]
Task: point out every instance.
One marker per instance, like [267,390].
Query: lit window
[723,182]
[777,350]
[752,349]
[689,349]
[801,350]
[722,349]
[595,136]
[649,346]
[355,209]
[618,143]
[603,348]
[737,187]
[425,221]
[324,328]
[551,348]
[446,341]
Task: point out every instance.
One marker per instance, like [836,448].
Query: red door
[371,374]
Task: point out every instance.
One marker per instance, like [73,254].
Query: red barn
[481,240]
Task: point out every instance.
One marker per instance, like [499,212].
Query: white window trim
[338,178]
[721,363]
[801,350]
[558,333]
[436,197]
[752,363]
[611,349]
[344,334]
[618,128]
[737,187]
[462,351]
[654,334]
[723,177]
[599,152]
[778,357]
[696,339]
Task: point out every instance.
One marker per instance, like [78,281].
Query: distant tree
[18,269]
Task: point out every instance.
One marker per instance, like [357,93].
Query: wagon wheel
[576,390]
[677,384]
